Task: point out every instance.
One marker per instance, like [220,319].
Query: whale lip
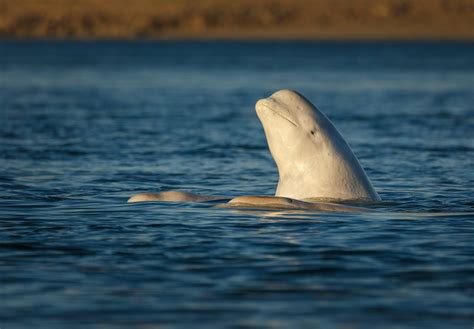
[263,104]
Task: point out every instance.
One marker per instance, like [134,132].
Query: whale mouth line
[281,115]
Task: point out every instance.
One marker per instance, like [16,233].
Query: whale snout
[261,105]
[284,102]
[269,109]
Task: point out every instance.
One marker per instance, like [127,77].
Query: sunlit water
[85,125]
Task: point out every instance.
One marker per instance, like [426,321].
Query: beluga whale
[316,166]
[313,159]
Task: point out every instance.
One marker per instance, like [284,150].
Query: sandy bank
[308,19]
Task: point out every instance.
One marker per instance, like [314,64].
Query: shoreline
[210,39]
[240,20]
[242,40]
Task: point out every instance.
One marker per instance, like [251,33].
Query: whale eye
[312,132]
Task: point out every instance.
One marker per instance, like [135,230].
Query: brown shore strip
[238,19]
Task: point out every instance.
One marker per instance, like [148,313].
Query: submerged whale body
[314,161]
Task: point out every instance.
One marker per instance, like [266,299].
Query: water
[84,125]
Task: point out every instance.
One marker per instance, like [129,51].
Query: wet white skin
[313,159]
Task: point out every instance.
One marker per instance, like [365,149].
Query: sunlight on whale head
[291,127]
[313,159]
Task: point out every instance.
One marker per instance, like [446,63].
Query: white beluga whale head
[313,159]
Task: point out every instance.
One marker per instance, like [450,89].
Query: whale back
[313,159]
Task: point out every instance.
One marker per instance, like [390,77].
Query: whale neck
[344,179]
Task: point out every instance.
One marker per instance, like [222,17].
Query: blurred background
[308,19]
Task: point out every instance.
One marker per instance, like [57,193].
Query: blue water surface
[85,125]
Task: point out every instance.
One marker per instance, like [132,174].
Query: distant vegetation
[312,19]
